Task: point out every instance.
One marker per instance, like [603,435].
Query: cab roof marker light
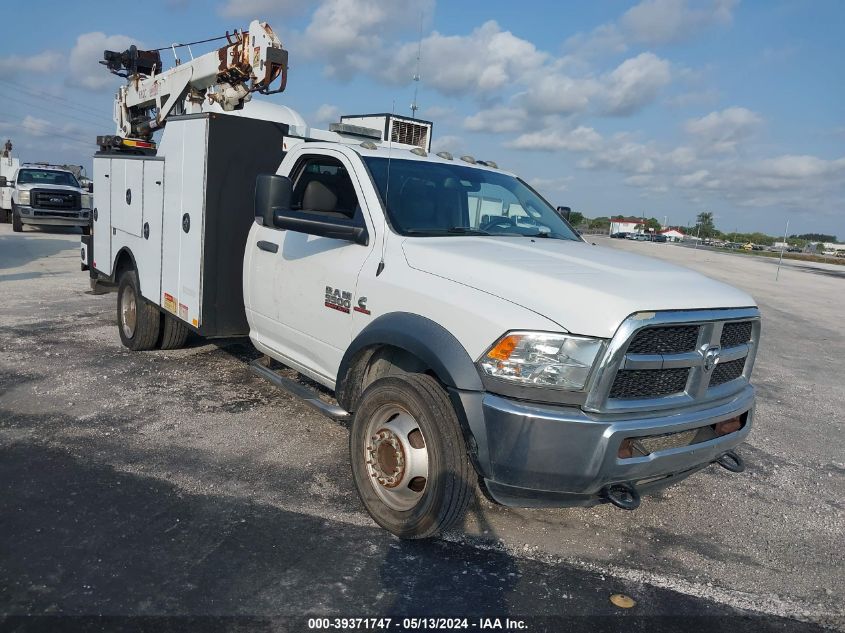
[369,145]
[468,159]
[419,151]
[490,163]
[445,155]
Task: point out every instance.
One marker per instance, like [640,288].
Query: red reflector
[728,426]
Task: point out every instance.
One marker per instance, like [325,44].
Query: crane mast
[250,62]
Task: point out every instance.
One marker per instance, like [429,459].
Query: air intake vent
[409,133]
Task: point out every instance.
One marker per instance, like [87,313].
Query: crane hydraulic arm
[250,62]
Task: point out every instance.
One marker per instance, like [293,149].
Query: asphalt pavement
[178,485]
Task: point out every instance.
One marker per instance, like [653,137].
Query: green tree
[600,223]
[576,218]
[705,227]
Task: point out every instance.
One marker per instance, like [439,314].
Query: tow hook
[623,496]
[732,462]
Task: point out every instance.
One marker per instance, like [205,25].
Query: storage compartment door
[102,215]
[127,195]
[153,210]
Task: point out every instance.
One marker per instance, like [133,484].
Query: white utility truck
[8,167]
[472,338]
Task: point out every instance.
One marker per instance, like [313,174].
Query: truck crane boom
[250,62]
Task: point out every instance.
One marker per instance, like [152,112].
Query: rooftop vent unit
[397,129]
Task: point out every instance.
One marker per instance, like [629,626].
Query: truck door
[302,296]
[102,215]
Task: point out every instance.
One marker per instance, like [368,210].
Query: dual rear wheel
[142,326]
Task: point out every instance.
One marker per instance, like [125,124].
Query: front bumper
[77,217]
[542,455]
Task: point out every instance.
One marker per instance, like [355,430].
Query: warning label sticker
[169,303]
[183,311]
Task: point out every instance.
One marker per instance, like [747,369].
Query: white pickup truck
[471,336]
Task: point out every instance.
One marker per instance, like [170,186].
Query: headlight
[23,197]
[86,201]
[542,359]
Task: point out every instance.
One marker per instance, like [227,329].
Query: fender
[429,341]
[128,251]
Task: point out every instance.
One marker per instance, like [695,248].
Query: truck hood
[583,288]
[29,186]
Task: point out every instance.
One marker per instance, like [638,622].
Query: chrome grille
[725,372]
[647,383]
[663,360]
[55,199]
[735,333]
[665,340]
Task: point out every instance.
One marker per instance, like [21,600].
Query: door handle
[270,247]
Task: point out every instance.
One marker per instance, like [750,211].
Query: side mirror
[312,223]
[565,212]
[272,193]
[90,187]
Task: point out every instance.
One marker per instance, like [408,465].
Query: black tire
[17,225]
[450,482]
[174,332]
[147,318]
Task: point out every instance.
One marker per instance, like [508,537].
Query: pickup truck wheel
[17,225]
[174,333]
[409,459]
[138,321]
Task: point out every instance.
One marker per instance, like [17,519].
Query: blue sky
[660,107]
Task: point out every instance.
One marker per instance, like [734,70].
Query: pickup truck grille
[59,200]
[665,340]
[647,383]
[671,359]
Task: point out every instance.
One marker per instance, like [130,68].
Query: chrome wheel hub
[396,457]
[128,312]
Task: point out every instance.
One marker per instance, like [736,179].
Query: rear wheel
[409,458]
[138,321]
[17,225]
[174,332]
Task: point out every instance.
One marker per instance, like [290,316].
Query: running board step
[308,396]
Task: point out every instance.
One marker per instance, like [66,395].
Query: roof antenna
[416,77]
[380,266]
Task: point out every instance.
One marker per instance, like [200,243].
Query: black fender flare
[427,340]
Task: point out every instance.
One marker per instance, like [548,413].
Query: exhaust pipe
[732,462]
[623,496]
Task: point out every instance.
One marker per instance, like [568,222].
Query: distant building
[673,235]
[624,225]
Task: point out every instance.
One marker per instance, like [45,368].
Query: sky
[661,108]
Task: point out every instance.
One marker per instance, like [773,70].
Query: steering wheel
[498,223]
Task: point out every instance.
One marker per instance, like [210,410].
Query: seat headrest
[318,197]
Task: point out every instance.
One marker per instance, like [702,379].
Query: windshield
[428,198]
[46,177]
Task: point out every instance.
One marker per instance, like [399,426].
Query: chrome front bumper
[544,455]
[28,216]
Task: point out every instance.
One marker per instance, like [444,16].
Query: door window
[322,185]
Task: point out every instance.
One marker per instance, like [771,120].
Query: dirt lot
[178,483]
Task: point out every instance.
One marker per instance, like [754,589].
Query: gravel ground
[196,443]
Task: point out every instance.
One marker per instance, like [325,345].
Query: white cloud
[84,68]
[799,167]
[722,131]
[349,35]
[497,120]
[556,93]
[448,143]
[550,184]
[581,139]
[327,113]
[40,63]
[635,83]
[485,61]
[655,22]
[34,126]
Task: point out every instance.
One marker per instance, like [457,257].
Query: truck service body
[467,331]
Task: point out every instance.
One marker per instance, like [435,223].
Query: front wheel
[409,458]
[138,321]
[17,225]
